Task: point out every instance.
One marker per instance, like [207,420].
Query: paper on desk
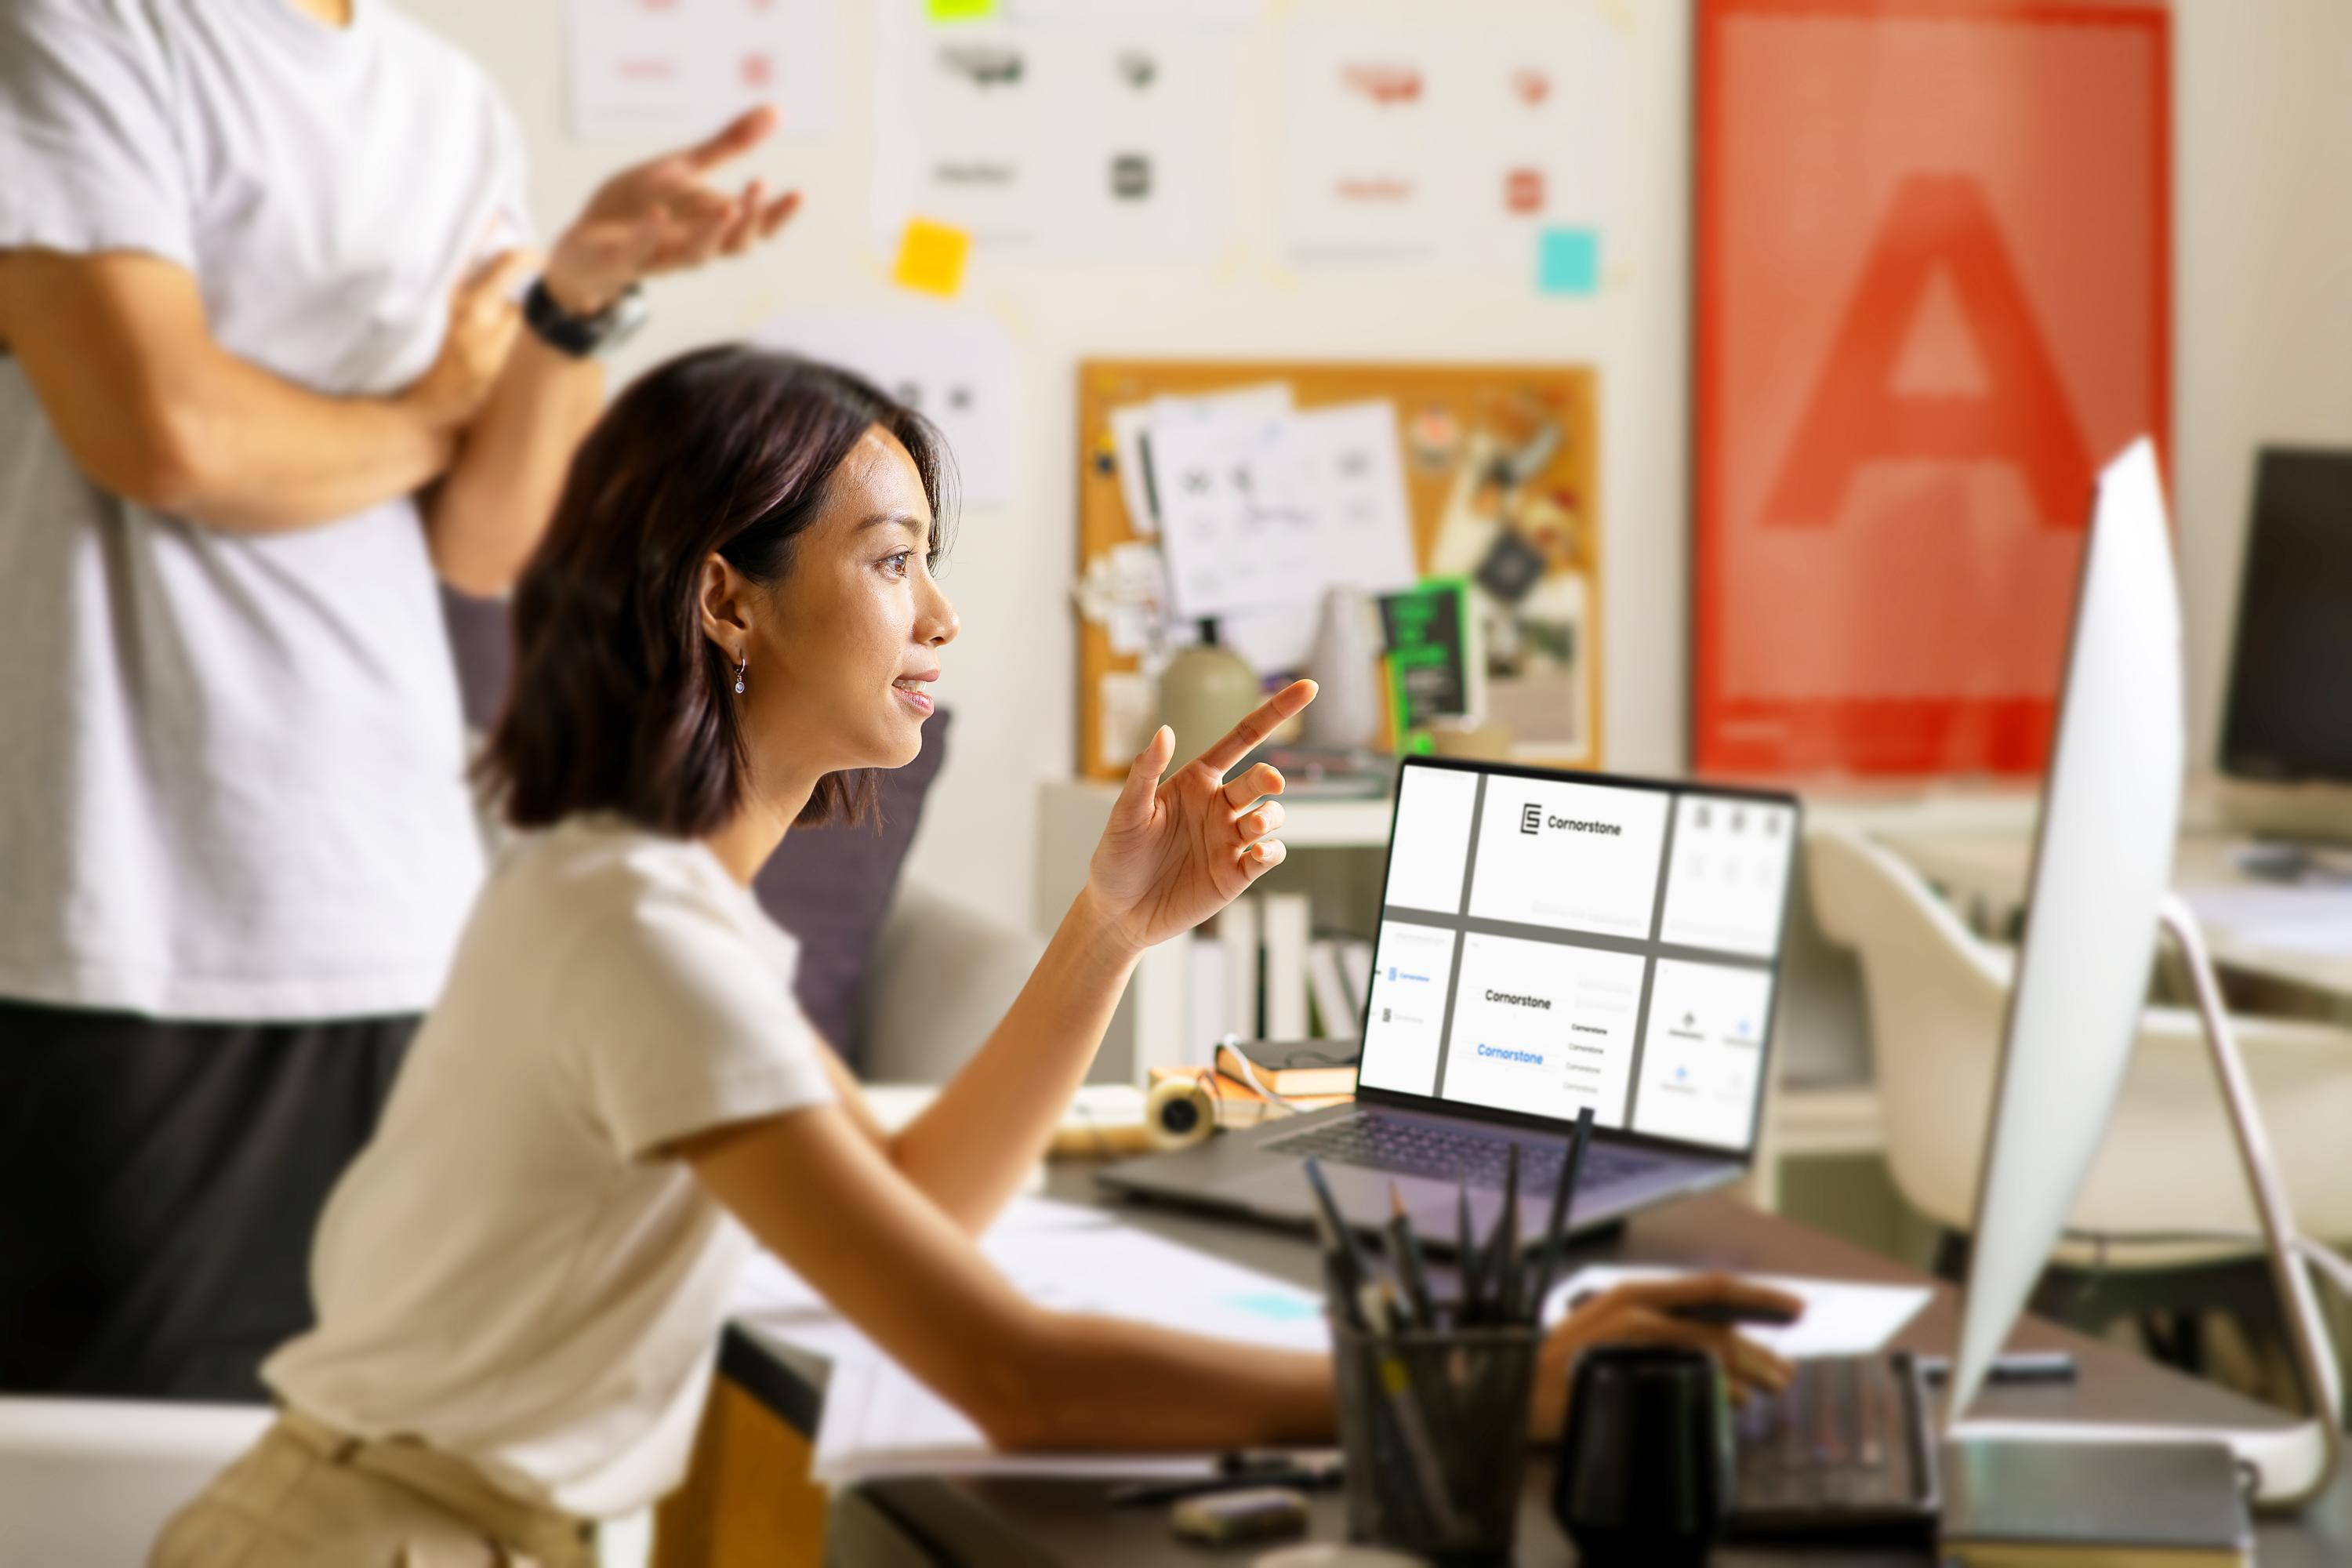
[2305,920]
[878,1420]
[1841,1318]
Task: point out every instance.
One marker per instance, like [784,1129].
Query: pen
[1412,1272]
[1506,1241]
[1307,1475]
[1396,1386]
[1564,1200]
[1343,1263]
[1722,1312]
[1466,1256]
[2017,1366]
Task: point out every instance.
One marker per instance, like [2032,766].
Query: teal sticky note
[1568,262]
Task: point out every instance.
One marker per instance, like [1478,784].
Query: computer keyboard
[1416,1148]
[1844,1448]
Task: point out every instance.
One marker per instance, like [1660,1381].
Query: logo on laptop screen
[1530,819]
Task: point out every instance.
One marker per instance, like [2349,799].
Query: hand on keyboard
[1643,1313]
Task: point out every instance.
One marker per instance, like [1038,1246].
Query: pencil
[1563,1201]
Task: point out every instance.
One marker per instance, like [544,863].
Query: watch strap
[581,336]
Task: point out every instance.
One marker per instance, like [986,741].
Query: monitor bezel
[2233,757]
[1401,1100]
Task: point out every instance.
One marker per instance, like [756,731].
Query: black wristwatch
[581,336]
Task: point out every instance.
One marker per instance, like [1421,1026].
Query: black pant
[158,1185]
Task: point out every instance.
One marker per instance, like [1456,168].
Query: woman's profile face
[841,664]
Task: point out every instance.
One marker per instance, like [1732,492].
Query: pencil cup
[1434,1428]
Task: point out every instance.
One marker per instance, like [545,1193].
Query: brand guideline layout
[1546,944]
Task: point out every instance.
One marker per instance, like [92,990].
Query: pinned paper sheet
[1215,16]
[1050,141]
[1419,139]
[1841,1318]
[1261,508]
[931,258]
[953,365]
[677,73]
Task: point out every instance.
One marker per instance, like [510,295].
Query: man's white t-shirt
[510,1271]
[232,766]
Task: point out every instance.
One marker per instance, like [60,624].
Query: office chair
[2154,1236]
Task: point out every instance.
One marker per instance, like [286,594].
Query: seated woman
[522,1280]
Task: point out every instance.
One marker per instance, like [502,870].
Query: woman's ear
[725,602]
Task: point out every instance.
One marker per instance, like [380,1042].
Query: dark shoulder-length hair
[618,702]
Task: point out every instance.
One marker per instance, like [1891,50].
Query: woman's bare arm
[1175,850]
[818,1192]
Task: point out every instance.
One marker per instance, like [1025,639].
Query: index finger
[738,136]
[1251,732]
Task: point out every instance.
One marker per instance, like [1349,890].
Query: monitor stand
[2288,1465]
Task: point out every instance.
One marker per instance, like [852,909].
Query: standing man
[262,377]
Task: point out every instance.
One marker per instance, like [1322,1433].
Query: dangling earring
[741,664]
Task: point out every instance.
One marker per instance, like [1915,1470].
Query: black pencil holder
[1434,1426]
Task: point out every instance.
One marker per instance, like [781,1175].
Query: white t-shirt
[231,779]
[507,1271]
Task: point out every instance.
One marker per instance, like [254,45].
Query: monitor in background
[2289,713]
[2102,861]
[1550,941]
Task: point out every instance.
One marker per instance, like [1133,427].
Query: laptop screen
[1552,941]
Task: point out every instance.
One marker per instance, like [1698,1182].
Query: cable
[1249,1072]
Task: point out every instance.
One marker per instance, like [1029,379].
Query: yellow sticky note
[931,257]
[962,10]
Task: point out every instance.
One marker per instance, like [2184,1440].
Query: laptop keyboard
[1429,1149]
[1837,1447]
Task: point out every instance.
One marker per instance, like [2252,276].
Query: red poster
[1933,297]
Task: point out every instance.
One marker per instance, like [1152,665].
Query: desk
[1029,1521]
[1985,874]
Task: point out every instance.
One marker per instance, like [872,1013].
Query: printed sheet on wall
[1933,297]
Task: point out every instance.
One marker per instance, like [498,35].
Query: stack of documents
[879,1421]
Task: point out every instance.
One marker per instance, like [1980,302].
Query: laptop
[1548,940]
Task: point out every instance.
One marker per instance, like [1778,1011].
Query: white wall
[2262,281]
[2263,349]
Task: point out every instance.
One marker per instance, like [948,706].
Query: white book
[1335,1015]
[1356,968]
[1289,919]
[1161,985]
[1237,935]
[1207,1013]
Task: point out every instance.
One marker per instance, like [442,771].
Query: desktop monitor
[2102,862]
[2101,866]
[2289,713]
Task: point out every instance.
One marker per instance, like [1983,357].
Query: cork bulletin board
[1501,482]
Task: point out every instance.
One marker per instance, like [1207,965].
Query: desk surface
[1992,866]
[1002,1520]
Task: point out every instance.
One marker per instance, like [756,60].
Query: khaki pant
[307,1494]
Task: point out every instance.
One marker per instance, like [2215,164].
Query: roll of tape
[1179,1112]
